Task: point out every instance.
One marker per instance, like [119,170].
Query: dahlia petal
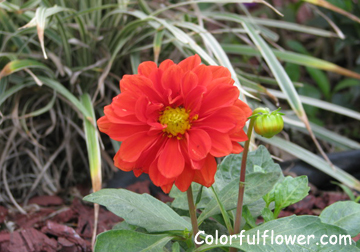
[197,164]
[124,104]
[204,75]
[146,68]
[113,116]
[138,172]
[171,80]
[206,176]
[155,78]
[183,181]
[138,85]
[188,82]
[221,144]
[219,97]
[132,147]
[147,157]
[246,110]
[217,121]
[199,143]
[156,128]
[223,81]
[167,188]
[194,98]
[166,64]
[121,164]
[119,132]
[140,108]
[219,71]
[156,177]
[237,148]
[190,63]
[103,124]
[171,161]
[152,112]
[239,136]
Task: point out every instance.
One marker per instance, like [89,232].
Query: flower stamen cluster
[176,121]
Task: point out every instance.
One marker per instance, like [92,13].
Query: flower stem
[242,182]
[192,212]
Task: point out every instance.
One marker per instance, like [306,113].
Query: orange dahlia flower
[174,119]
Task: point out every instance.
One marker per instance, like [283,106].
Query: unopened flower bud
[268,124]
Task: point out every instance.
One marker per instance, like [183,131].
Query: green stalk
[242,180]
[192,211]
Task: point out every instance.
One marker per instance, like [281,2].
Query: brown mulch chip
[53,226]
[313,204]
[46,200]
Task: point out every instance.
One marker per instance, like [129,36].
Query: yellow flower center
[176,120]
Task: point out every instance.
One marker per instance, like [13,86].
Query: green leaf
[92,144]
[289,191]
[344,214]
[257,184]
[175,247]
[346,84]
[124,226]
[141,210]
[17,65]
[229,169]
[293,71]
[250,220]
[130,241]
[12,90]
[269,22]
[267,214]
[180,198]
[305,231]
[321,80]
[53,84]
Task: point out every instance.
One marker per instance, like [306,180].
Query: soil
[52,225]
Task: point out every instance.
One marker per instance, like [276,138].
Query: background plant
[55,52]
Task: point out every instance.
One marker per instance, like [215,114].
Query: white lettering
[281,239]
[345,237]
[221,239]
[333,237]
[300,239]
[308,238]
[248,240]
[321,240]
[233,236]
[264,235]
[196,237]
[241,236]
[209,239]
[290,239]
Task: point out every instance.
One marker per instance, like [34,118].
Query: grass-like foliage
[61,62]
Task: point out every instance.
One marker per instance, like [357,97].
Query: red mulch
[53,226]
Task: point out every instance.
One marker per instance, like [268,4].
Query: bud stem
[242,180]
[192,211]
